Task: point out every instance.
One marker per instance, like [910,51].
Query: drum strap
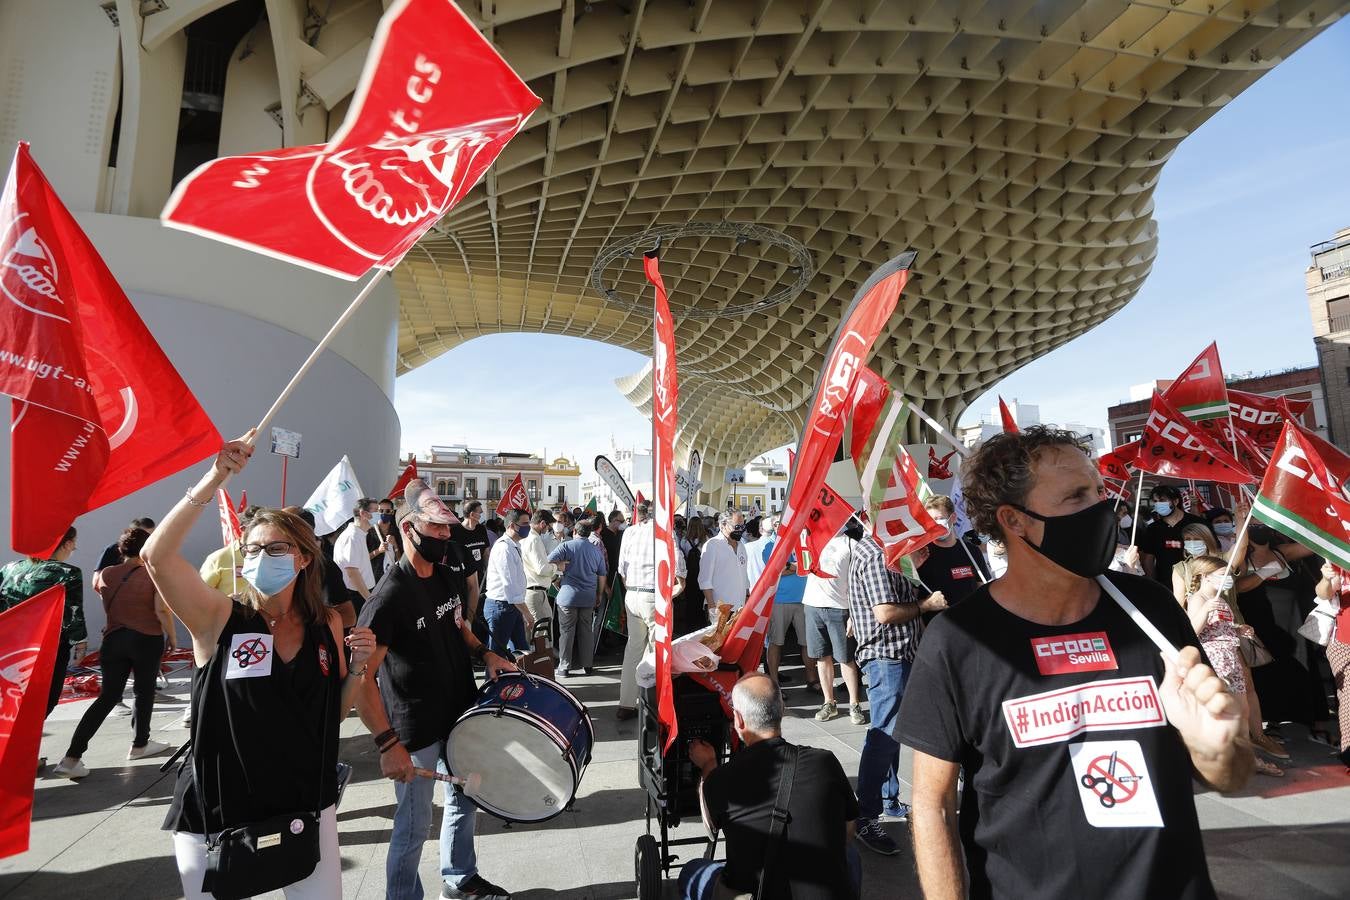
[779,818]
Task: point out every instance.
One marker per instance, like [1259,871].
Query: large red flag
[435,106]
[1174,446]
[1263,417]
[28,636]
[1009,423]
[514,497]
[903,525]
[99,410]
[862,322]
[1116,463]
[665,400]
[408,475]
[821,523]
[1306,493]
[869,399]
[1200,393]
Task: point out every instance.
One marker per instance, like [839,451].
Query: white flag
[334,501]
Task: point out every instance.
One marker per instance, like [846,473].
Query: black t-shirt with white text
[426,678]
[474,543]
[1076,786]
[1164,542]
[950,570]
[810,863]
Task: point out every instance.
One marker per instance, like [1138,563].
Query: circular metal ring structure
[801,265]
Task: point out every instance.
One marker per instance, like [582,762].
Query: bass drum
[524,745]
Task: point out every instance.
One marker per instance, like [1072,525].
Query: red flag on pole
[1306,493]
[29,633]
[824,428]
[869,399]
[229,521]
[1262,417]
[1116,463]
[1009,423]
[434,107]
[514,497]
[1200,393]
[665,401]
[1174,446]
[408,475]
[903,525]
[243,500]
[99,410]
[822,522]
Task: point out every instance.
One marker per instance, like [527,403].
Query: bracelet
[393,742]
[383,736]
[188,496]
[360,674]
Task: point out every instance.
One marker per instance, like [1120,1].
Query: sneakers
[856,715]
[477,887]
[872,836]
[564,673]
[151,748]
[120,709]
[73,771]
[894,809]
[828,710]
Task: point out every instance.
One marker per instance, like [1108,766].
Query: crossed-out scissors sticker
[250,653]
[250,656]
[1108,774]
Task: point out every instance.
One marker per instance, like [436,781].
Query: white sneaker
[120,709]
[151,748]
[185,721]
[76,770]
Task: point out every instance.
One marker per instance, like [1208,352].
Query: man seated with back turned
[813,857]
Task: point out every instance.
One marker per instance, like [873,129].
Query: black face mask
[737,533]
[853,529]
[432,549]
[1084,542]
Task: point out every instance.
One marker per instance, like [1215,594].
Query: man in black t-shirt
[471,537]
[951,569]
[424,655]
[1077,740]
[813,857]
[1160,545]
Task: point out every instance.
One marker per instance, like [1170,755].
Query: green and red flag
[1306,494]
[1199,393]
[1262,417]
[876,433]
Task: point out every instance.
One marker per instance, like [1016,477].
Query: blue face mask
[522,531]
[1162,508]
[269,575]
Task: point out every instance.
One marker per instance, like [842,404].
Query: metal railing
[1339,323]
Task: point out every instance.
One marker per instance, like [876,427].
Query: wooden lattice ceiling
[1014,145]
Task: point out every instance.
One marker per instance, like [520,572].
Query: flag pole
[941,432]
[971,557]
[1242,533]
[314,355]
[1138,496]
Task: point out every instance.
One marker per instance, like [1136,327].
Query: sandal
[1267,744]
[1266,767]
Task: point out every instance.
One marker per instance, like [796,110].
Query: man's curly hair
[1000,472]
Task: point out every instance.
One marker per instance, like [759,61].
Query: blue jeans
[881,747]
[698,877]
[412,825]
[506,627]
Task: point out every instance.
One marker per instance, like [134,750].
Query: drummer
[424,656]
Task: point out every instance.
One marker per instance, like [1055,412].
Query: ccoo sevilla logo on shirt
[1086,652]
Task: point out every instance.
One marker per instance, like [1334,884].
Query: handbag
[266,855]
[1254,653]
[1320,625]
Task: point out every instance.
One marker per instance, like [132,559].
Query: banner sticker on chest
[250,656]
[1062,654]
[1112,705]
[1113,782]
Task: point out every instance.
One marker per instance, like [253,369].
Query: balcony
[1337,324]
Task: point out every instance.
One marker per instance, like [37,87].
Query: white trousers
[641,608]
[324,883]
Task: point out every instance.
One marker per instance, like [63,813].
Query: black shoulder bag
[778,820]
[262,856]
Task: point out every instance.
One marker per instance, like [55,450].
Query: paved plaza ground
[100,838]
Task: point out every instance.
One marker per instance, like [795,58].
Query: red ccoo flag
[29,633]
[903,525]
[1116,463]
[1200,393]
[1174,446]
[1009,423]
[99,410]
[1306,493]
[1262,417]
[403,480]
[435,106]
[514,497]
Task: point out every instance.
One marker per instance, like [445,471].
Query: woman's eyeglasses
[272,548]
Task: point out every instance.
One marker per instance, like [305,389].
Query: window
[443,487]
[452,484]
[470,487]
[494,489]
[550,490]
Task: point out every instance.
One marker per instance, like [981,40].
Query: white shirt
[637,557]
[506,572]
[831,593]
[534,551]
[722,570]
[997,564]
[754,558]
[350,553]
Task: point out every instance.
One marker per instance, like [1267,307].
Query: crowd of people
[392,614]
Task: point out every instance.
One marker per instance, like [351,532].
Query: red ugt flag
[665,400]
[408,475]
[1009,423]
[435,106]
[28,636]
[99,410]
[1174,446]
[514,498]
[824,428]
[1306,493]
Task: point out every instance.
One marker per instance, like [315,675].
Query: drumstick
[470,782]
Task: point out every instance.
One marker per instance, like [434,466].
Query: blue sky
[1238,206]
